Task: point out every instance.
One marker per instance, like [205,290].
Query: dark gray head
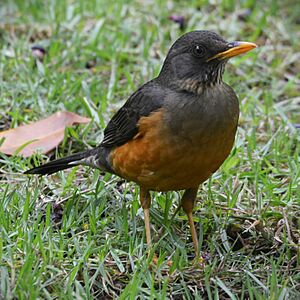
[200,57]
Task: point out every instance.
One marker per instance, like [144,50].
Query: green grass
[80,234]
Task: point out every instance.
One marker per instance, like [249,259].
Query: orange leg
[145,200]
[187,202]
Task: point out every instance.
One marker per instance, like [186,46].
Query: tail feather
[59,164]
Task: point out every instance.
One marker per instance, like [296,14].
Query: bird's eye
[199,51]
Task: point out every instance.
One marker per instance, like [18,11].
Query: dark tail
[61,164]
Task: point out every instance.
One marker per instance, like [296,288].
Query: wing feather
[124,124]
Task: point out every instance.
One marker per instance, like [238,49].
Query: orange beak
[237,48]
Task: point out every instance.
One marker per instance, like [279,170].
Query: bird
[175,130]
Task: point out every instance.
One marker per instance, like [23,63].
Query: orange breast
[159,160]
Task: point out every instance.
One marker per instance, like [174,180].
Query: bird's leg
[187,202]
[145,200]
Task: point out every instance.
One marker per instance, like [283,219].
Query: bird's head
[198,58]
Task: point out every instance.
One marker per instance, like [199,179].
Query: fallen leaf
[43,136]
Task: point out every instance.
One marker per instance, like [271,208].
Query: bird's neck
[196,86]
[196,83]
[193,86]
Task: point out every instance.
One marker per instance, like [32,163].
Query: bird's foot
[199,261]
[155,261]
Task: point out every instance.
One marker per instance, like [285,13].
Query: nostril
[233,44]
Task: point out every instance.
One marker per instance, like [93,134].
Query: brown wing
[124,124]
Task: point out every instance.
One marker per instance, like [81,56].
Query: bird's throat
[207,79]
[195,86]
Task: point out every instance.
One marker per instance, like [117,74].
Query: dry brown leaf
[41,136]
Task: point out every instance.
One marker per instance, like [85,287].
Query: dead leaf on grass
[44,135]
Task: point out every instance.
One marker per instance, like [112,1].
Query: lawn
[79,234]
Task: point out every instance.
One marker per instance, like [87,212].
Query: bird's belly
[159,160]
